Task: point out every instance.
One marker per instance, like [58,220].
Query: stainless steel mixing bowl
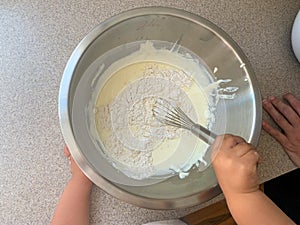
[203,38]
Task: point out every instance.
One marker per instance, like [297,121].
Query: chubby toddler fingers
[229,141]
[224,143]
[252,157]
[243,148]
[67,152]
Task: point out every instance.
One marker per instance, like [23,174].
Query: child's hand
[77,174]
[287,117]
[74,204]
[235,165]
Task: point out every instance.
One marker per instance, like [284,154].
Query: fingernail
[264,101]
[271,98]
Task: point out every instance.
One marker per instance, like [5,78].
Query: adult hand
[235,165]
[287,117]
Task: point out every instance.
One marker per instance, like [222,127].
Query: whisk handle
[204,134]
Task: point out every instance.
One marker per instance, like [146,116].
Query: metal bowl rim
[65,121]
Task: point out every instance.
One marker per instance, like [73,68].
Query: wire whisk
[172,115]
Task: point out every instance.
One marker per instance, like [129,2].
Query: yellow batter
[133,72]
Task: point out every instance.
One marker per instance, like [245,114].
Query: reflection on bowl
[219,53]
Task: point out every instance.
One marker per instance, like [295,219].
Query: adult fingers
[276,115]
[294,102]
[281,138]
[286,110]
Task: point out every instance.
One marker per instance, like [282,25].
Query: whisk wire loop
[171,115]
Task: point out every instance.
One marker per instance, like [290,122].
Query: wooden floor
[215,214]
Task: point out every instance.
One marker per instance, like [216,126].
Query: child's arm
[256,208]
[235,165]
[73,206]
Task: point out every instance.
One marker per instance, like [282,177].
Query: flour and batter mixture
[132,139]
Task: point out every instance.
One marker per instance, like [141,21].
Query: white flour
[133,141]
[135,132]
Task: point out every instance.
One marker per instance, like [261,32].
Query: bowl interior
[214,47]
